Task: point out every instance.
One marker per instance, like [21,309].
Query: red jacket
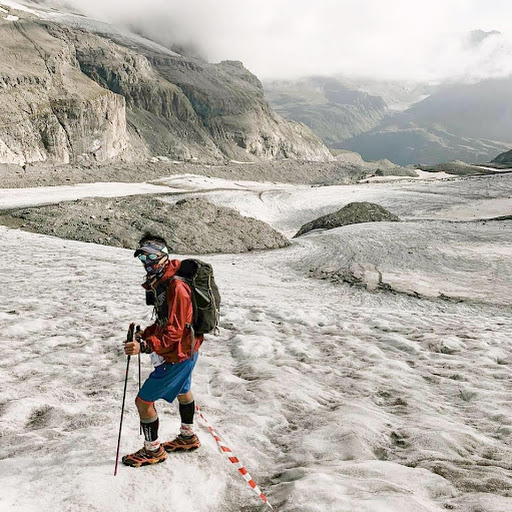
[170,338]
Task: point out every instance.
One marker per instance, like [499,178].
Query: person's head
[153,253]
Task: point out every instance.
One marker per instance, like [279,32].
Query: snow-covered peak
[65,16]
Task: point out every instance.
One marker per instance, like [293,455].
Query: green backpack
[205,294]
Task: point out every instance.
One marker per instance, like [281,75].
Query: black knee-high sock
[187,415]
[150,429]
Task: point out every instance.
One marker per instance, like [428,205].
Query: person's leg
[180,388]
[186,440]
[149,423]
[146,409]
[187,409]
[152,452]
[185,398]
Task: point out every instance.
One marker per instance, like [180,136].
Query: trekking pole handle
[131,332]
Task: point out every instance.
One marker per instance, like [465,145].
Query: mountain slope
[481,110]
[504,159]
[458,121]
[49,110]
[410,143]
[332,110]
[469,122]
[69,94]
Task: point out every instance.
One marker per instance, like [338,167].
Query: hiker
[169,341]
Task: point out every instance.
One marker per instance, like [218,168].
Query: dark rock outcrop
[503,159]
[191,226]
[352,213]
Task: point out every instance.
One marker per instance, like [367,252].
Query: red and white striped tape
[234,460]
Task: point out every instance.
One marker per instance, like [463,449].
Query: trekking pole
[137,330]
[129,337]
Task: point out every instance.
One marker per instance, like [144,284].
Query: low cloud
[397,39]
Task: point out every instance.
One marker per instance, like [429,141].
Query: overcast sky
[403,39]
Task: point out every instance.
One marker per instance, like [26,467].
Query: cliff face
[49,110]
[68,94]
[230,102]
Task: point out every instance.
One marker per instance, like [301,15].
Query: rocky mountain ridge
[70,95]
[49,110]
[456,121]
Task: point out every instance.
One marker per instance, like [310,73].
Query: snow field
[18,7]
[287,207]
[23,197]
[65,371]
[470,261]
[333,397]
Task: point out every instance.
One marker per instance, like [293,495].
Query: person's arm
[179,302]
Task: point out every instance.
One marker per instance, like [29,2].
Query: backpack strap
[187,325]
[192,339]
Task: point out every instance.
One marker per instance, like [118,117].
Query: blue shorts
[168,381]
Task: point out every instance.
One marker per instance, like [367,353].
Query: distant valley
[407,123]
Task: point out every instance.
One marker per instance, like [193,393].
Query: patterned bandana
[154,268]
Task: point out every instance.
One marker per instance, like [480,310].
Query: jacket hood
[171,269]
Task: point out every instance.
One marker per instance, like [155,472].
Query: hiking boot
[182,444]
[144,457]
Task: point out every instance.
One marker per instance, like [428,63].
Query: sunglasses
[146,257]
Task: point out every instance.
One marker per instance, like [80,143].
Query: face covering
[154,256]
